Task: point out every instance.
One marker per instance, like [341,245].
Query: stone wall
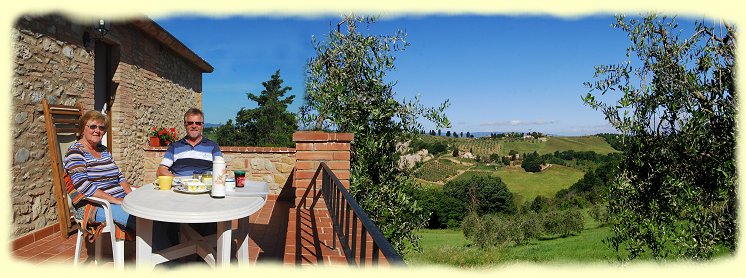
[151,85]
[271,164]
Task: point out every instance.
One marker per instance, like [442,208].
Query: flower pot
[155,141]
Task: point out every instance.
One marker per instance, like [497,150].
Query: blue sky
[500,73]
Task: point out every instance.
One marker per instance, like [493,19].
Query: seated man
[193,153]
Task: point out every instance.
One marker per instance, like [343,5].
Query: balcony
[272,231]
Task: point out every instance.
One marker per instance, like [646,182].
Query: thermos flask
[218,177]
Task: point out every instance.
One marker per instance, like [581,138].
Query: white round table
[148,204]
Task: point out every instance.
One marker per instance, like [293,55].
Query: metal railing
[347,216]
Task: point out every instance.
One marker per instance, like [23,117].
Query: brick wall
[314,147]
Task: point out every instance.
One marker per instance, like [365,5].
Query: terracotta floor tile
[271,241]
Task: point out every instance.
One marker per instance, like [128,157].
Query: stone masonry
[151,85]
[271,164]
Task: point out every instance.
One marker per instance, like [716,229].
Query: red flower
[165,134]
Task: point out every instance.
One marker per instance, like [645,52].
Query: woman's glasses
[193,123]
[100,127]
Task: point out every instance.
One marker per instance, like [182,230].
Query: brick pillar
[313,147]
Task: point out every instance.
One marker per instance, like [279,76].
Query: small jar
[240,177]
[197,175]
[230,184]
[207,178]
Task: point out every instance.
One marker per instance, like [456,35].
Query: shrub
[563,223]
[601,214]
[471,224]
[489,230]
[540,204]
[498,230]
[573,220]
[531,226]
[552,223]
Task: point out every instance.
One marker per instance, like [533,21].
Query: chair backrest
[62,128]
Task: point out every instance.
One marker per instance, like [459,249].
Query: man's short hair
[193,111]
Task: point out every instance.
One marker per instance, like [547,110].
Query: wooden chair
[62,127]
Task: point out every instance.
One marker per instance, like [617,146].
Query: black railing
[347,215]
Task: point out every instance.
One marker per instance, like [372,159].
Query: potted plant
[161,136]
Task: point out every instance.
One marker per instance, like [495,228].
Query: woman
[94,173]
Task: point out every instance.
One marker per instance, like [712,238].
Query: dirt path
[458,173]
[545,166]
[457,161]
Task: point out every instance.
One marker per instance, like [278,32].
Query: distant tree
[455,135]
[468,134]
[432,132]
[675,195]
[615,140]
[455,151]
[531,162]
[512,154]
[226,135]
[269,124]
[448,133]
[438,132]
[471,150]
[495,157]
[483,194]
[437,148]
[506,160]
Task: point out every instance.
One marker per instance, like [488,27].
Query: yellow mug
[164,182]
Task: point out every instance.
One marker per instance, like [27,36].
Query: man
[193,153]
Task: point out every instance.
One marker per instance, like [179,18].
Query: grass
[449,247]
[435,170]
[529,185]
[578,144]
[558,143]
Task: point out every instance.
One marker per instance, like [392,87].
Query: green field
[481,147]
[579,144]
[437,170]
[449,247]
[526,186]
[558,143]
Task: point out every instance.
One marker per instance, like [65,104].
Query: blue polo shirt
[183,159]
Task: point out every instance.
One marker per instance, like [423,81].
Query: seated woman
[94,173]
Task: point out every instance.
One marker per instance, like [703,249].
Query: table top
[170,206]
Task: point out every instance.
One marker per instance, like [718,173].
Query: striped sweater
[89,173]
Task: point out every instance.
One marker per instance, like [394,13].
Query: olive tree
[346,91]
[676,103]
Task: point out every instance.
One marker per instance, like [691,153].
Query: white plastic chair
[117,245]
[62,125]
